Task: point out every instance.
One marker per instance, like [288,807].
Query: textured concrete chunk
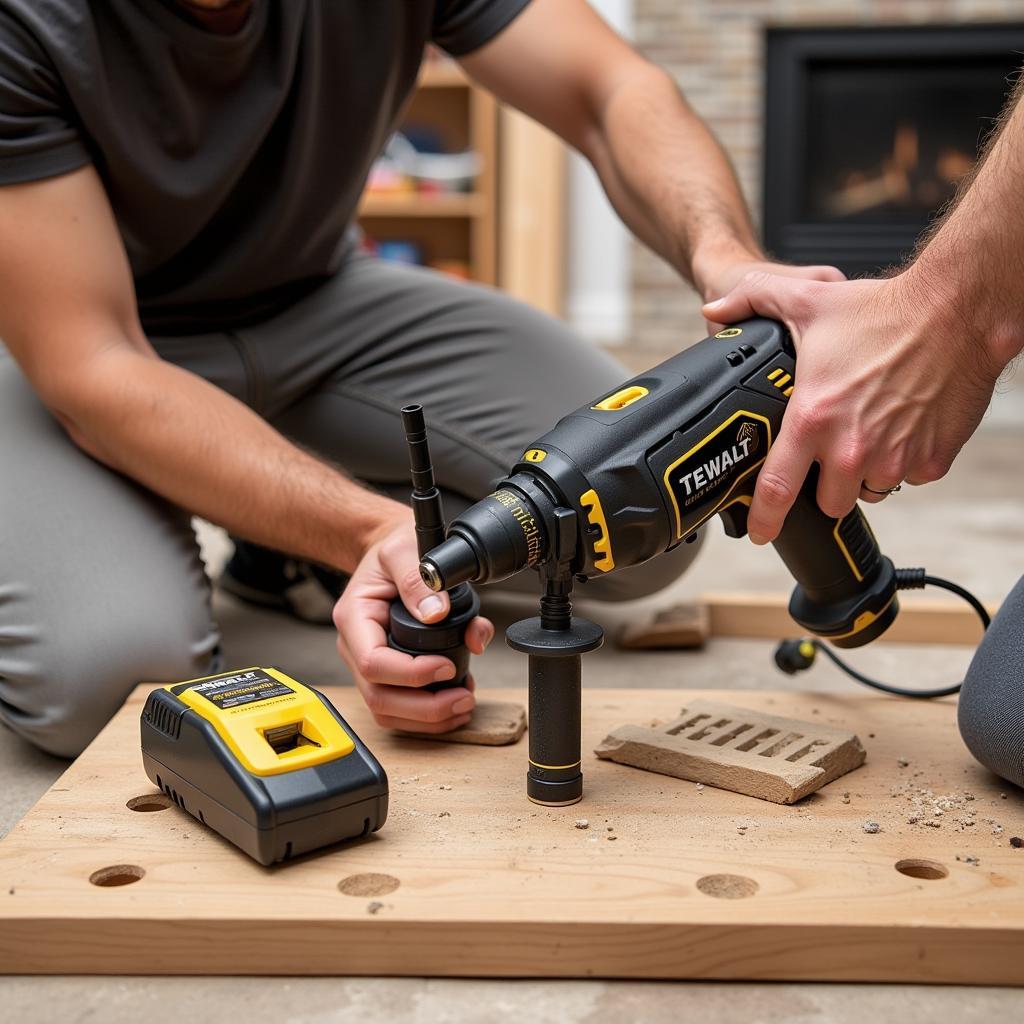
[760,755]
[494,724]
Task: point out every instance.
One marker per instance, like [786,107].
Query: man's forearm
[197,446]
[669,178]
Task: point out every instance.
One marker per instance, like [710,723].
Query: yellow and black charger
[264,760]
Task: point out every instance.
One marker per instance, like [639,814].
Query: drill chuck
[492,540]
[452,562]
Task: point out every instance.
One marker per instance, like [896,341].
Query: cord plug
[793,656]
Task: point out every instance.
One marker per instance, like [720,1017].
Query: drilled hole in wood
[117,874]
[727,887]
[915,867]
[368,884]
[149,802]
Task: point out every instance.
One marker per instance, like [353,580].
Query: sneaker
[272,580]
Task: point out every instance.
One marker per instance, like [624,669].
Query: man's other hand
[392,683]
[891,381]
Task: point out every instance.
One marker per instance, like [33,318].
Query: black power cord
[793,656]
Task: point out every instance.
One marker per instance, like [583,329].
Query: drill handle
[846,587]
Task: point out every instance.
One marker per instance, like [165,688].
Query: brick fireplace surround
[713,48]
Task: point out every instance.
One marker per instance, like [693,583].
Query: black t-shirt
[233,163]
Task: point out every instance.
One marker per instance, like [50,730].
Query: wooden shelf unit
[470,204]
[441,74]
[451,226]
[510,229]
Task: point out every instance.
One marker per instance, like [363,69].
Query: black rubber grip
[447,638]
[845,586]
[555,775]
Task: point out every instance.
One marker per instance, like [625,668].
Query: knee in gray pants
[63,676]
[991,708]
[101,586]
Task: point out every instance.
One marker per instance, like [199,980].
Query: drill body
[636,472]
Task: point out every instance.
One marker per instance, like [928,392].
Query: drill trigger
[591,504]
[734,516]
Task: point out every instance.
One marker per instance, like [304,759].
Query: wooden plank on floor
[681,627]
[666,880]
[922,620]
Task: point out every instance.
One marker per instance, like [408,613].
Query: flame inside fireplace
[901,178]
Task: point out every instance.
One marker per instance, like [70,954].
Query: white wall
[599,252]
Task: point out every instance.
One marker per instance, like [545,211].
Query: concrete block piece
[494,724]
[751,752]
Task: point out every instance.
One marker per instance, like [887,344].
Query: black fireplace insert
[868,131]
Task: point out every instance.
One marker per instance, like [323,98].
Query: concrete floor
[968,527]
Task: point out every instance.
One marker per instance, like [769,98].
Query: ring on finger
[883,492]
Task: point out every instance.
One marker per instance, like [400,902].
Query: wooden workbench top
[666,881]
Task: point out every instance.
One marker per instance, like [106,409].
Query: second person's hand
[892,378]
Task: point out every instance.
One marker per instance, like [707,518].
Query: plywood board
[468,878]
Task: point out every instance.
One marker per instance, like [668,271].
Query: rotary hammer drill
[634,474]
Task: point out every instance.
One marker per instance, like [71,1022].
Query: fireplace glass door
[869,131]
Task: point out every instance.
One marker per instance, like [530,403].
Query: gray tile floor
[969,527]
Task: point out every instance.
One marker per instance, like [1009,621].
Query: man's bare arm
[661,167]
[893,376]
[972,262]
[67,314]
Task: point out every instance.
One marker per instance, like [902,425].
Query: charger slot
[283,738]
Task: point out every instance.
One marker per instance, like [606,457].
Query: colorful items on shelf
[403,250]
[414,161]
[400,251]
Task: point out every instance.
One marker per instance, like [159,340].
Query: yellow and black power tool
[264,760]
[634,473]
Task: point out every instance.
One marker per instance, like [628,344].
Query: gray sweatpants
[100,580]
